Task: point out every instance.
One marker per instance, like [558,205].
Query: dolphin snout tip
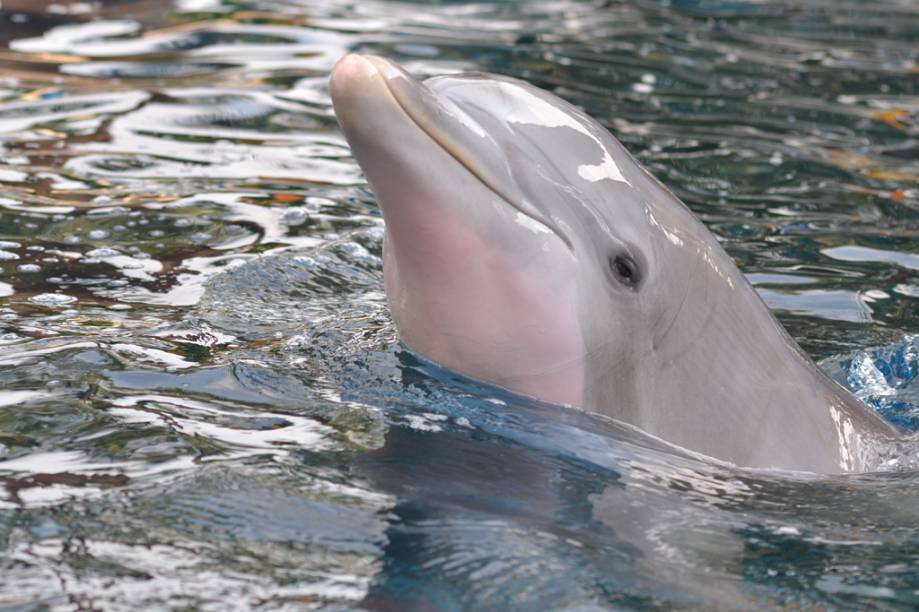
[355,68]
[350,70]
[355,86]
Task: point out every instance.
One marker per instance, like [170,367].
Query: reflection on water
[203,400]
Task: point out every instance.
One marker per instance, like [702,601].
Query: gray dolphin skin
[525,247]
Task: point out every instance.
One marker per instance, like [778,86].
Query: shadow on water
[203,401]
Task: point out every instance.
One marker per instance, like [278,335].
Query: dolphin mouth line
[462,160]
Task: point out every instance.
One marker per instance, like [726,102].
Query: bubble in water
[52,299]
[295,216]
[102,253]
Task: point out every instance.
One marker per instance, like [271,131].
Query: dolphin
[526,248]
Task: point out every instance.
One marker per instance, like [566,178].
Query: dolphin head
[524,245]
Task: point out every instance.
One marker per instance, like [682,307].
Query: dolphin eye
[625,270]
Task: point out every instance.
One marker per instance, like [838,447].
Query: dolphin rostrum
[525,247]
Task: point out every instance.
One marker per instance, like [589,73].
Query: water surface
[204,403]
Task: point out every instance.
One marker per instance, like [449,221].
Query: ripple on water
[19,116]
[208,135]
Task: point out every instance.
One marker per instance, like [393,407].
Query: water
[204,403]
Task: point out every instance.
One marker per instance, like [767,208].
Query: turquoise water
[204,403]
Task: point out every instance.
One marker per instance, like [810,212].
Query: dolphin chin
[525,247]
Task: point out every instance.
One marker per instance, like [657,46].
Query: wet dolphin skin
[525,247]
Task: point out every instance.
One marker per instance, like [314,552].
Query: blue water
[204,404]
